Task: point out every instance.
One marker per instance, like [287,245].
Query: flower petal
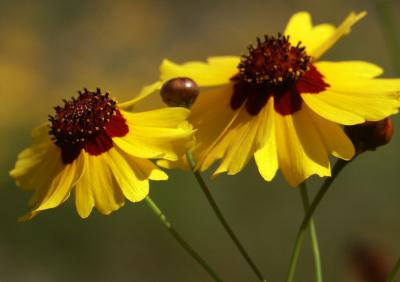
[37,165]
[217,70]
[145,169]
[333,136]
[317,36]
[58,189]
[134,188]
[248,134]
[61,186]
[318,39]
[162,133]
[301,151]
[84,200]
[266,156]
[211,121]
[348,69]
[238,145]
[298,27]
[146,91]
[100,190]
[354,96]
[340,31]
[352,108]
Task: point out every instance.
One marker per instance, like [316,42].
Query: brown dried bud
[179,92]
[370,135]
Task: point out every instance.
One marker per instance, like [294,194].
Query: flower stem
[222,219]
[313,234]
[180,240]
[394,272]
[339,165]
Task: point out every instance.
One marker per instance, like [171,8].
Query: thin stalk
[339,165]
[222,219]
[313,234]
[180,240]
[394,272]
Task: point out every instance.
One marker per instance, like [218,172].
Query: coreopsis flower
[94,147]
[282,105]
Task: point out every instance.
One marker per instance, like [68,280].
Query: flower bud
[370,135]
[179,92]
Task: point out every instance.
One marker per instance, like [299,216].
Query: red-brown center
[88,122]
[275,68]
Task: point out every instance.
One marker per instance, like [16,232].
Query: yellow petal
[301,151]
[349,108]
[266,156]
[267,159]
[317,36]
[42,156]
[335,140]
[40,168]
[230,135]
[181,163]
[57,189]
[61,186]
[106,194]
[38,175]
[325,105]
[84,200]
[238,144]
[266,121]
[145,169]
[318,39]
[37,165]
[216,71]
[354,96]
[298,27]
[247,135]
[146,91]
[340,31]
[160,133]
[166,117]
[211,115]
[348,69]
[134,188]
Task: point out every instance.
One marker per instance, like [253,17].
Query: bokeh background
[50,49]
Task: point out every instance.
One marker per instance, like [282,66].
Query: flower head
[282,105]
[100,151]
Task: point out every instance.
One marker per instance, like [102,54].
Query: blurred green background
[50,49]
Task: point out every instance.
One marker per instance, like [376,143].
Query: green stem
[222,219]
[313,234]
[394,272]
[180,240]
[386,18]
[339,165]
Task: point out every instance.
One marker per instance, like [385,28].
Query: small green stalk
[339,165]
[222,219]
[180,240]
[313,234]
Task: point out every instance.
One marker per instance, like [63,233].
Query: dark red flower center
[88,122]
[275,68]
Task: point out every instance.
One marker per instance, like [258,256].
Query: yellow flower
[93,146]
[281,104]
